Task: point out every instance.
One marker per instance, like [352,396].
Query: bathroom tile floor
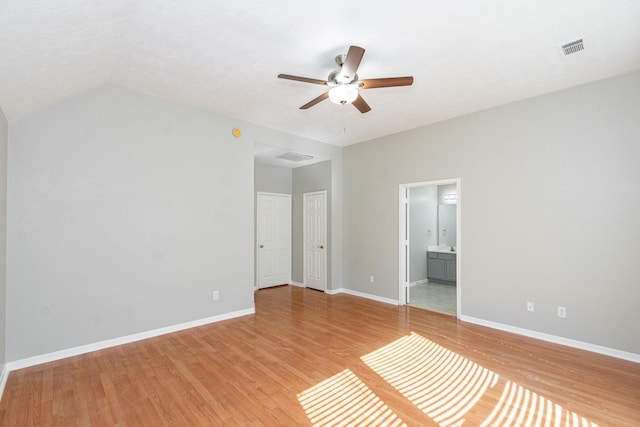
[434,296]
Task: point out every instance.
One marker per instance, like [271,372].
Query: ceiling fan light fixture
[344,83]
[343,94]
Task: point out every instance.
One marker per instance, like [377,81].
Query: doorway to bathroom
[430,246]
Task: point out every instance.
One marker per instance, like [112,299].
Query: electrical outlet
[562,311]
[216,295]
[370,279]
[530,306]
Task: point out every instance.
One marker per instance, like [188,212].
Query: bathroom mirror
[447,225]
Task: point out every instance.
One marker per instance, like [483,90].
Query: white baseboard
[298,284]
[520,331]
[363,295]
[555,339]
[3,379]
[75,351]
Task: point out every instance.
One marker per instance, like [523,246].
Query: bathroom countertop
[441,250]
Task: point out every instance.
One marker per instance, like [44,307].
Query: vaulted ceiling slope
[224,56]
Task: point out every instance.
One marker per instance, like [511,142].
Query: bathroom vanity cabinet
[441,267]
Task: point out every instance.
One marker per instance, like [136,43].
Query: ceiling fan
[344,82]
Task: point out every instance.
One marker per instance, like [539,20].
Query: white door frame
[258,236]
[404,227]
[304,236]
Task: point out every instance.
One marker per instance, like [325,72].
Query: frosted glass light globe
[343,94]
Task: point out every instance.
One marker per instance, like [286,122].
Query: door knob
[321,246]
[261,246]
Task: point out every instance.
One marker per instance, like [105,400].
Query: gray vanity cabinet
[441,267]
[450,267]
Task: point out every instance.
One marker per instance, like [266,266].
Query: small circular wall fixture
[236,132]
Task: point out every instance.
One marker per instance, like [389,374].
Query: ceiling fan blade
[314,101]
[386,82]
[351,63]
[302,79]
[361,104]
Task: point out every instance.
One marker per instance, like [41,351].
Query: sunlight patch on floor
[522,407]
[446,386]
[344,400]
[441,383]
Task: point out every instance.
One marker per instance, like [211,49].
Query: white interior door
[315,240]
[273,239]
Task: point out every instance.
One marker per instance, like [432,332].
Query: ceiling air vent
[573,47]
[295,157]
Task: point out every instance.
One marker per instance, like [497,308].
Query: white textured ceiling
[224,56]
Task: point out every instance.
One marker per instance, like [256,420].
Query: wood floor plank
[307,357]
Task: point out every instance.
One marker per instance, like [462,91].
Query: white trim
[406,246]
[402,255]
[75,351]
[4,376]
[555,339]
[298,284]
[363,295]
[459,251]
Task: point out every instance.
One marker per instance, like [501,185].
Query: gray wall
[316,177]
[272,179]
[423,228]
[125,212]
[4,136]
[550,201]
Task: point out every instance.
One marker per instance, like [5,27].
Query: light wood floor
[309,358]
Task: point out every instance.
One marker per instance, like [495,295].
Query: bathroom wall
[447,212]
[444,190]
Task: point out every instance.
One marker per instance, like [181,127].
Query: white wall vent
[295,157]
[573,47]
